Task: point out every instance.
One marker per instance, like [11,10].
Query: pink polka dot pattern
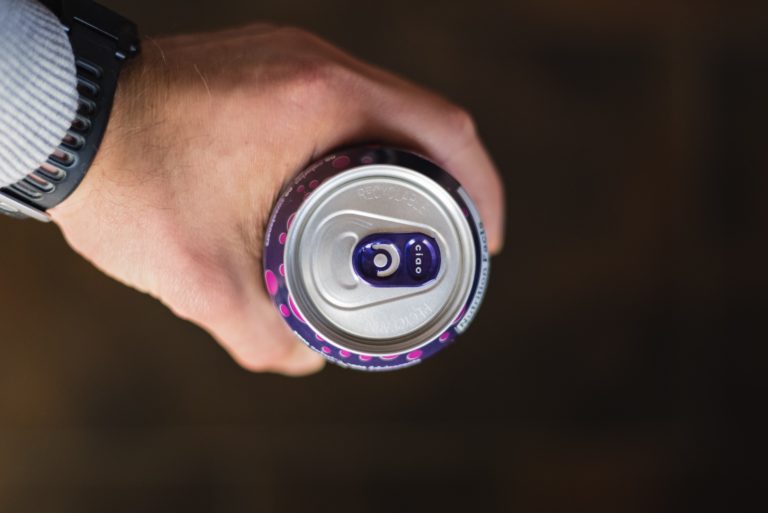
[300,189]
[444,336]
[271,280]
[341,162]
[461,314]
[282,237]
[326,349]
[414,355]
[318,337]
[284,311]
[344,353]
[313,184]
[281,269]
[290,221]
[365,358]
[389,357]
[295,310]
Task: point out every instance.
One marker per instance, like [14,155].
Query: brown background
[613,368]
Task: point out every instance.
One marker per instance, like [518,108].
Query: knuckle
[307,68]
[462,123]
[293,35]
[296,39]
[314,77]
[291,32]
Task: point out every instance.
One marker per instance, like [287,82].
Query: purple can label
[418,254]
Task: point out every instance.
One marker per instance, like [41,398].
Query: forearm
[38,88]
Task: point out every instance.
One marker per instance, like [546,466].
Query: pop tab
[397,259]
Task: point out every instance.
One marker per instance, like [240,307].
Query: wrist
[113,154]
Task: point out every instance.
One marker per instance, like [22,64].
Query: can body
[375,257]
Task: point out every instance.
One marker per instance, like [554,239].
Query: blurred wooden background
[613,367]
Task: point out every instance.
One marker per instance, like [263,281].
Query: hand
[204,131]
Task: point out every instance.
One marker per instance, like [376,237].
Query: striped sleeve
[38,87]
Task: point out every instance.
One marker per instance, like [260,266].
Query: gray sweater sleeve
[38,87]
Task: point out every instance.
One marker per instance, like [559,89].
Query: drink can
[375,257]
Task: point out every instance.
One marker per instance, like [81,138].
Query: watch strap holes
[37,181]
[85,106]
[73,141]
[88,67]
[26,190]
[62,157]
[87,88]
[47,170]
[81,124]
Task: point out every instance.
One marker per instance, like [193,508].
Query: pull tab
[397,259]
[387,259]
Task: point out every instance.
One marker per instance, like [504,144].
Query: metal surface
[12,206]
[341,306]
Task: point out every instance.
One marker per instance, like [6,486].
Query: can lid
[379,259]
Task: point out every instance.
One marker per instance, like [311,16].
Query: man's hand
[204,132]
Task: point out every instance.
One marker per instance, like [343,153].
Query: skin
[204,131]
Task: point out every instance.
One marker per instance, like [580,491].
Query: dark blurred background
[613,367]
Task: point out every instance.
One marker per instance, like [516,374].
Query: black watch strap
[101,41]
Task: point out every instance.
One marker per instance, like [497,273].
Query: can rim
[406,342]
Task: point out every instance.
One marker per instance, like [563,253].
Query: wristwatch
[102,41]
